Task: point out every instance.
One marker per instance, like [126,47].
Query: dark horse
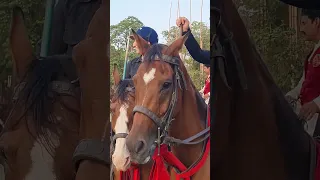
[43,127]
[256,135]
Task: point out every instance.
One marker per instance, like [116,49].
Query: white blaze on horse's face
[121,156]
[149,76]
[42,166]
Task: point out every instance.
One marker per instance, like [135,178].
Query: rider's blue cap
[147,34]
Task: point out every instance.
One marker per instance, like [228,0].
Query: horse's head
[157,94]
[40,132]
[122,104]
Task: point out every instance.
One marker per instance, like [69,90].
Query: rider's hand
[185,23]
[308,110]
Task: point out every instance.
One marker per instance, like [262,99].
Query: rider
[70,22]
[308,89]
[198,54]
[151,36]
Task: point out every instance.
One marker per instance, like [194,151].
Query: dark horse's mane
[35,99]
[121,92]
[294,139]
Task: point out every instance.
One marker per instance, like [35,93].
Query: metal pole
[126,58]
[170,19]
[45,43]
[190,11]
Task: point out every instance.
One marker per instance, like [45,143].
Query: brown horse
[41,130]
[167,104]
[122,104]
[91,56]
[256,134]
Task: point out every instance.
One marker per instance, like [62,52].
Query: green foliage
[282,52]
[193,66]
[120,32]
[118,36]
[34,18]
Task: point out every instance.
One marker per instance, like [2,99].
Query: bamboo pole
[190,11]
[169,19]
[126,58]
[201,44]
[178,15]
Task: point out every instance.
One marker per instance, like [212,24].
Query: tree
[192,66]
[267,25]
[34,18]
[120,31]
[118,37]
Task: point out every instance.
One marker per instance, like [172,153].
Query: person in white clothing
[306,95]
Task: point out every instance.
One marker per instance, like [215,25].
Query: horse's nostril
[139,146]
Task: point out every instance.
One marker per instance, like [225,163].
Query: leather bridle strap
[92,149]
[149,114]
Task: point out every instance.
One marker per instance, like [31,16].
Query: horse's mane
[35,100]
[293,138]
[154,53]
[121,92]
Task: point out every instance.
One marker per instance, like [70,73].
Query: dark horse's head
[255,132]
[41,130]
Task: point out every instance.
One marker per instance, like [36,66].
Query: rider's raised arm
[198,54]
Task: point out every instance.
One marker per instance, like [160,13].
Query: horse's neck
[186,124]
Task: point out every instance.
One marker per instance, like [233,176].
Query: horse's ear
[142,44]
[177,45]
[116,75]
[21,48]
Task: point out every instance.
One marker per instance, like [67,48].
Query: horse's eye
[166,85]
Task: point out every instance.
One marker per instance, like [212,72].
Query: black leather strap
[92,149]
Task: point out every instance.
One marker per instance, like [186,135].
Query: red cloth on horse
[133,173]
[311,85]
[159,171]
[206,89]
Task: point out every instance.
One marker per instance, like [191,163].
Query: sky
[156,13]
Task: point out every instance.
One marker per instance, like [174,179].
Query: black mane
[121,92]
[34,97]
[154,51]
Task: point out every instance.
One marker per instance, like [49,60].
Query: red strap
[197,167]
[159,172]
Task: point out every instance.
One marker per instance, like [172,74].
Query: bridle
[221,40]
[115,136]
[163,123]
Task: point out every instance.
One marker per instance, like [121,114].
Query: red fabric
[206,89]
[133,173]
[317,170]
[159,171]
[311,86]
